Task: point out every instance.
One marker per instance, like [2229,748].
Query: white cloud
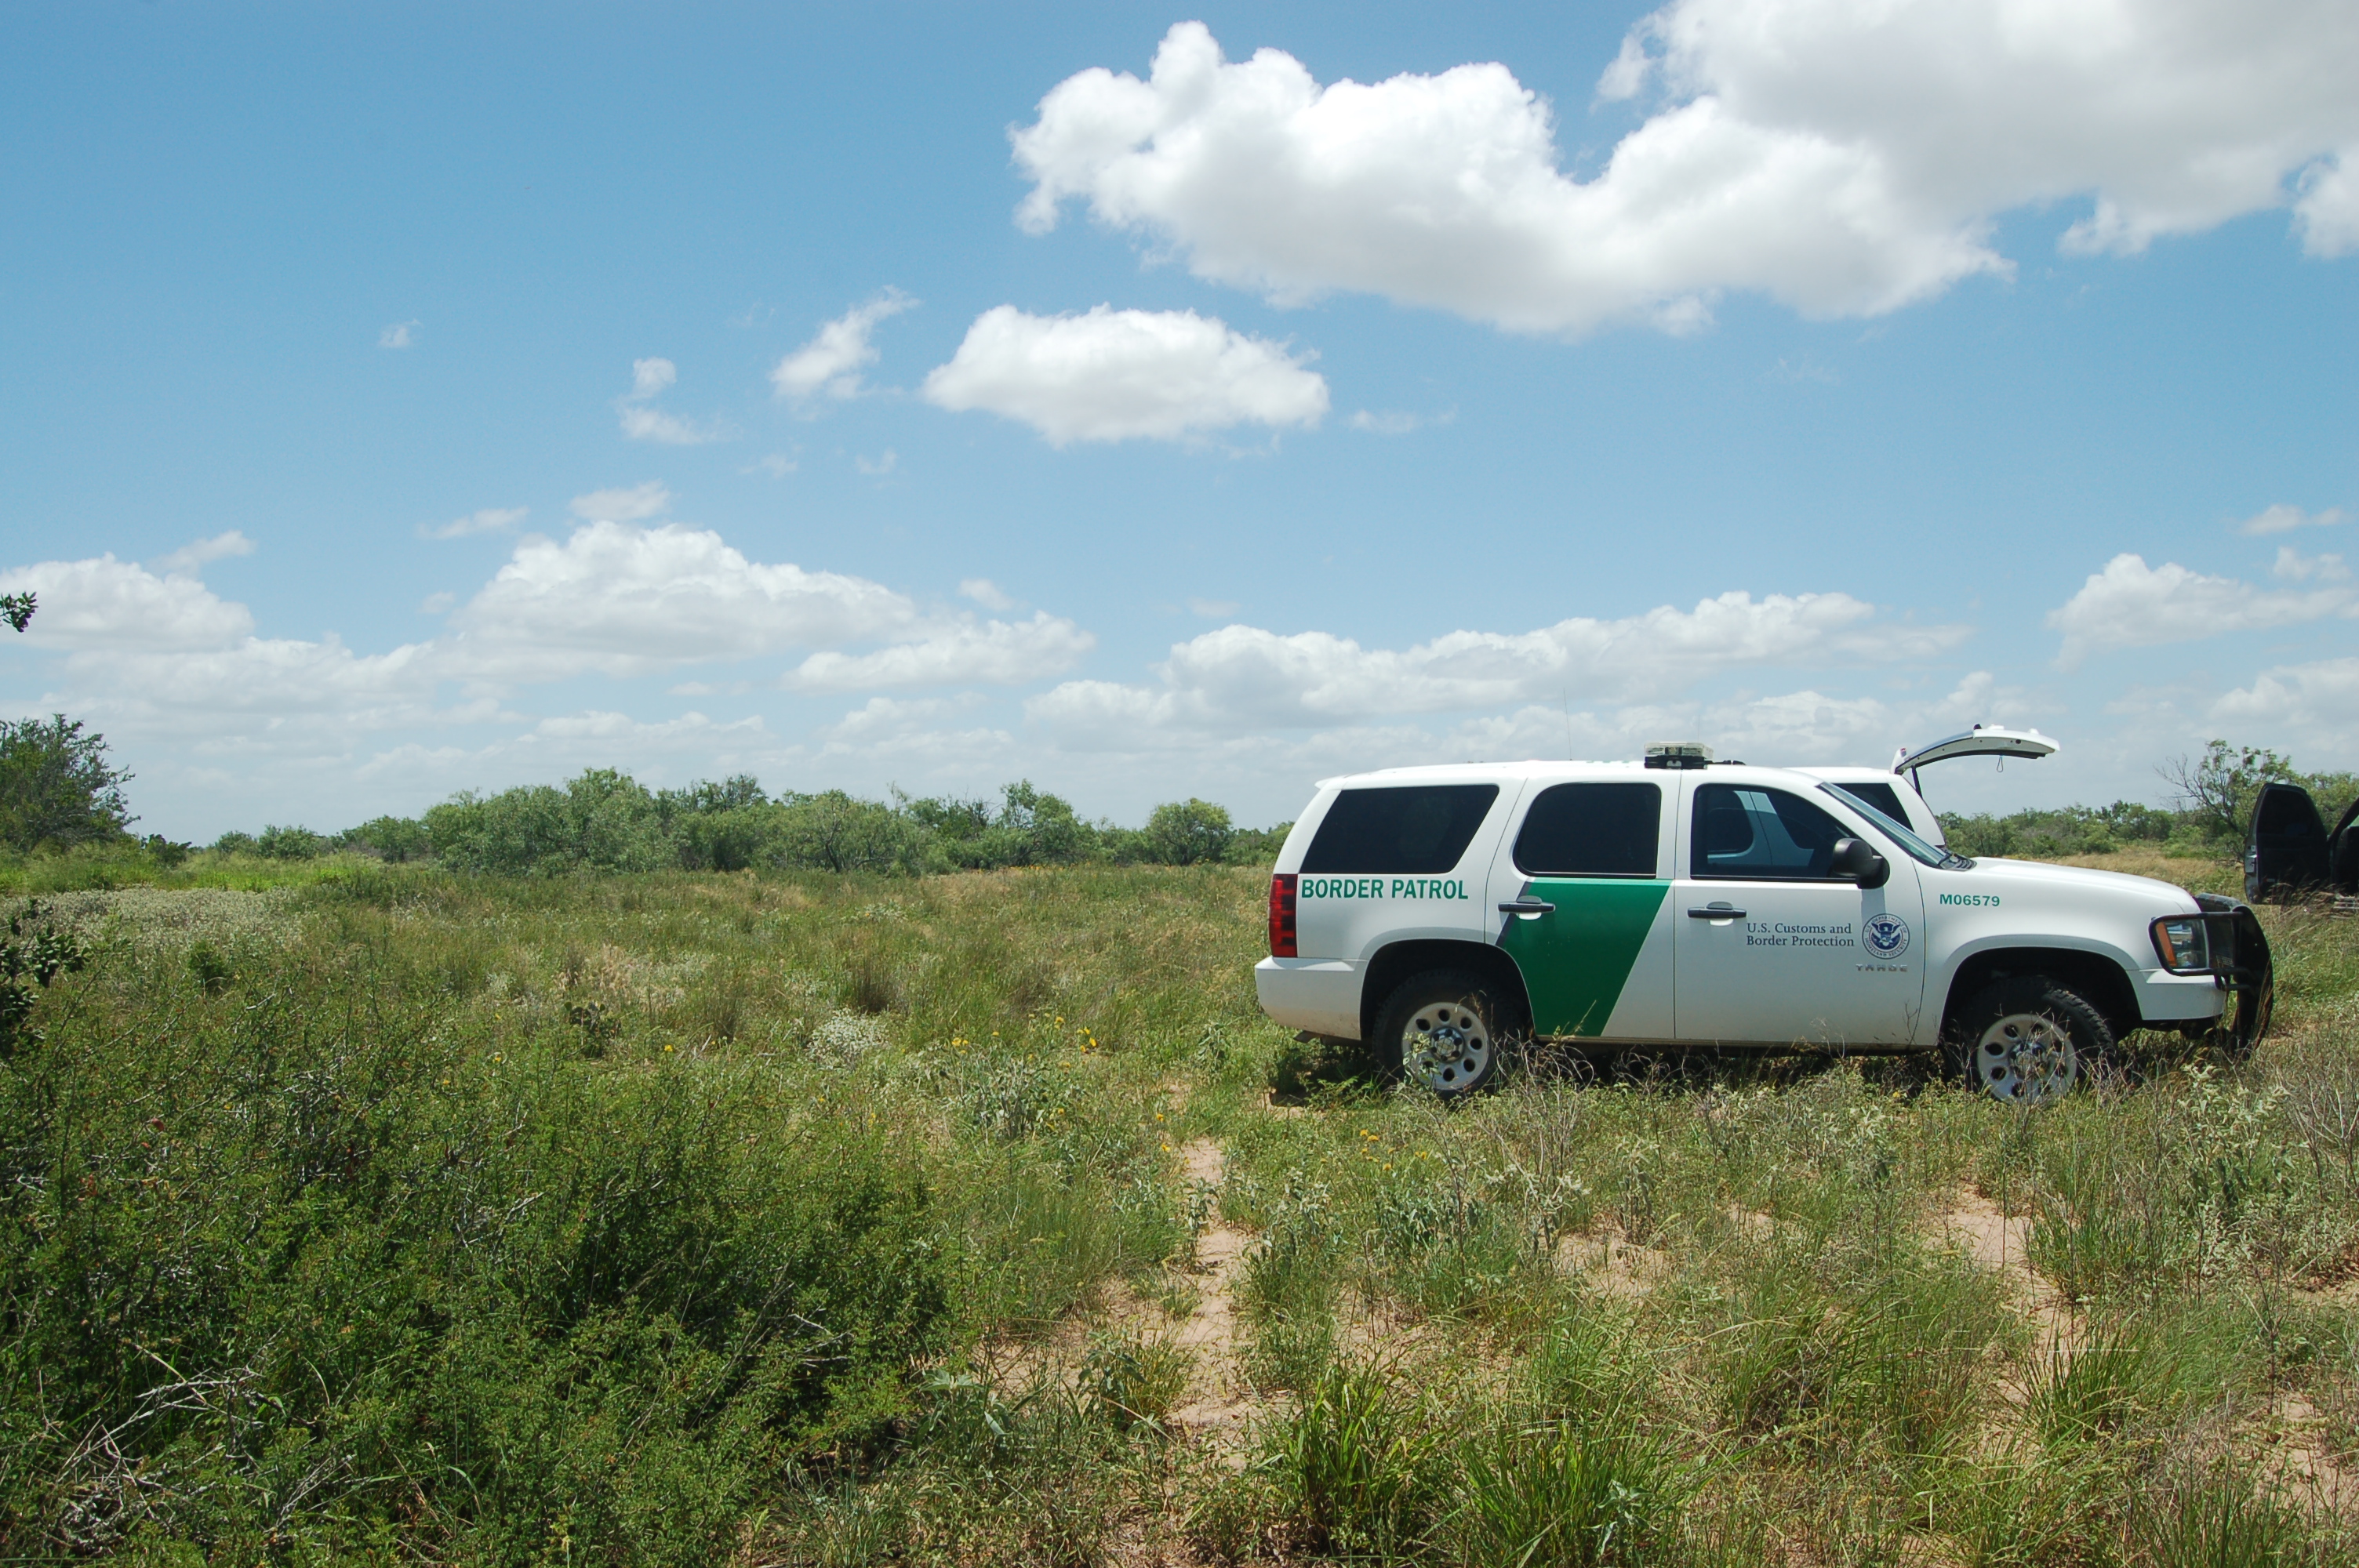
[1790,728]
[1243,677]
[2133,605]
[651,376]
[596,724]
[2283,519]
[489,520]
[106,603]
[985,592]
[878,468]
[1395,423]
[641,422]
[624,505]
[1843,156]
[901,732]
[190,559]
[555,746]
[1112,374]
[886,718]
[2322,696]
[400,335]
[626,601]
[830,364]
[2292,566]
[2328,211]
[269,691]
[777,465]
[1212,609]
[644,423]
[958,652]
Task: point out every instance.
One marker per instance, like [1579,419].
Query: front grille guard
[2242,965]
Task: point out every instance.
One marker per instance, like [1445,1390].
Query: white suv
[1438,912]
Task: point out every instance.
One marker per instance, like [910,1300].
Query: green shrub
[276,843]
[602,821]
[834,832]
[395,838]
[57,788]
[324,1267]
[1187,833]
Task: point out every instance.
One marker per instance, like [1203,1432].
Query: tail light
[1281,916]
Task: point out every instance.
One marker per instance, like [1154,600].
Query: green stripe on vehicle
[1576,961]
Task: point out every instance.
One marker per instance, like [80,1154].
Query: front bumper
[2243,967]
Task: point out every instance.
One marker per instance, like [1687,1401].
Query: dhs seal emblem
[1886,936]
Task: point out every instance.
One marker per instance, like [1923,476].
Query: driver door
[1774,950]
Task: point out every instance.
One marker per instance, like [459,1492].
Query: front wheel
[2027,1040]
[1444,1029]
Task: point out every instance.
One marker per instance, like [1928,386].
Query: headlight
[2181,943]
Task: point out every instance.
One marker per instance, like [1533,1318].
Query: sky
[1155,403]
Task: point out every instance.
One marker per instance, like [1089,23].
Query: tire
[2026,1041]
[1444,1029]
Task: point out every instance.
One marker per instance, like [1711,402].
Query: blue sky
[404,400]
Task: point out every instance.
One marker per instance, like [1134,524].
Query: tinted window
[1592,830]
[1882,796]
[1742,832]
[1420,829]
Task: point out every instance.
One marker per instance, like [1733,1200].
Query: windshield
[1916,848]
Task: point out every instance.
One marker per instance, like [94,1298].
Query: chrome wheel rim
[1446,1047]
[2025,1058]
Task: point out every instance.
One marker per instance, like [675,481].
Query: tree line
[604,820]
[61,793]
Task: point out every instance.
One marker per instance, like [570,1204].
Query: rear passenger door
[1581,887]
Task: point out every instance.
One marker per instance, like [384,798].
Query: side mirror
[1857,860]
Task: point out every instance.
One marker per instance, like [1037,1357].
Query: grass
[375,1213]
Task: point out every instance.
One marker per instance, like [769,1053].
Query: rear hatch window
[1416,829]
[1882,796]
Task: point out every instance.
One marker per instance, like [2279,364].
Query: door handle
[1527,906]
[1716,912]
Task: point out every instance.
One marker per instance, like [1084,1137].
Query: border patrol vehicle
[1440,913]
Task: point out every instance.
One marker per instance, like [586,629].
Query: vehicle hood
[2167,897]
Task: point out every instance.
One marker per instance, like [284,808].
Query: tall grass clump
[1570,1494]
[1356,1465]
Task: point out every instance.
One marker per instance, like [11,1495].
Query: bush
[321,1282]
[1187,833]
[393,839]
[603,820]
[57,789]
[1031,827]
[277,843]
[833,832]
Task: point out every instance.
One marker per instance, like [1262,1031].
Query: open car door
[2286,847]
[2343,850]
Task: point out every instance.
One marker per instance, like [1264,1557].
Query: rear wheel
[2027,1040]
[1444,1028]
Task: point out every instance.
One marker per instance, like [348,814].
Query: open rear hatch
[1982,741]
